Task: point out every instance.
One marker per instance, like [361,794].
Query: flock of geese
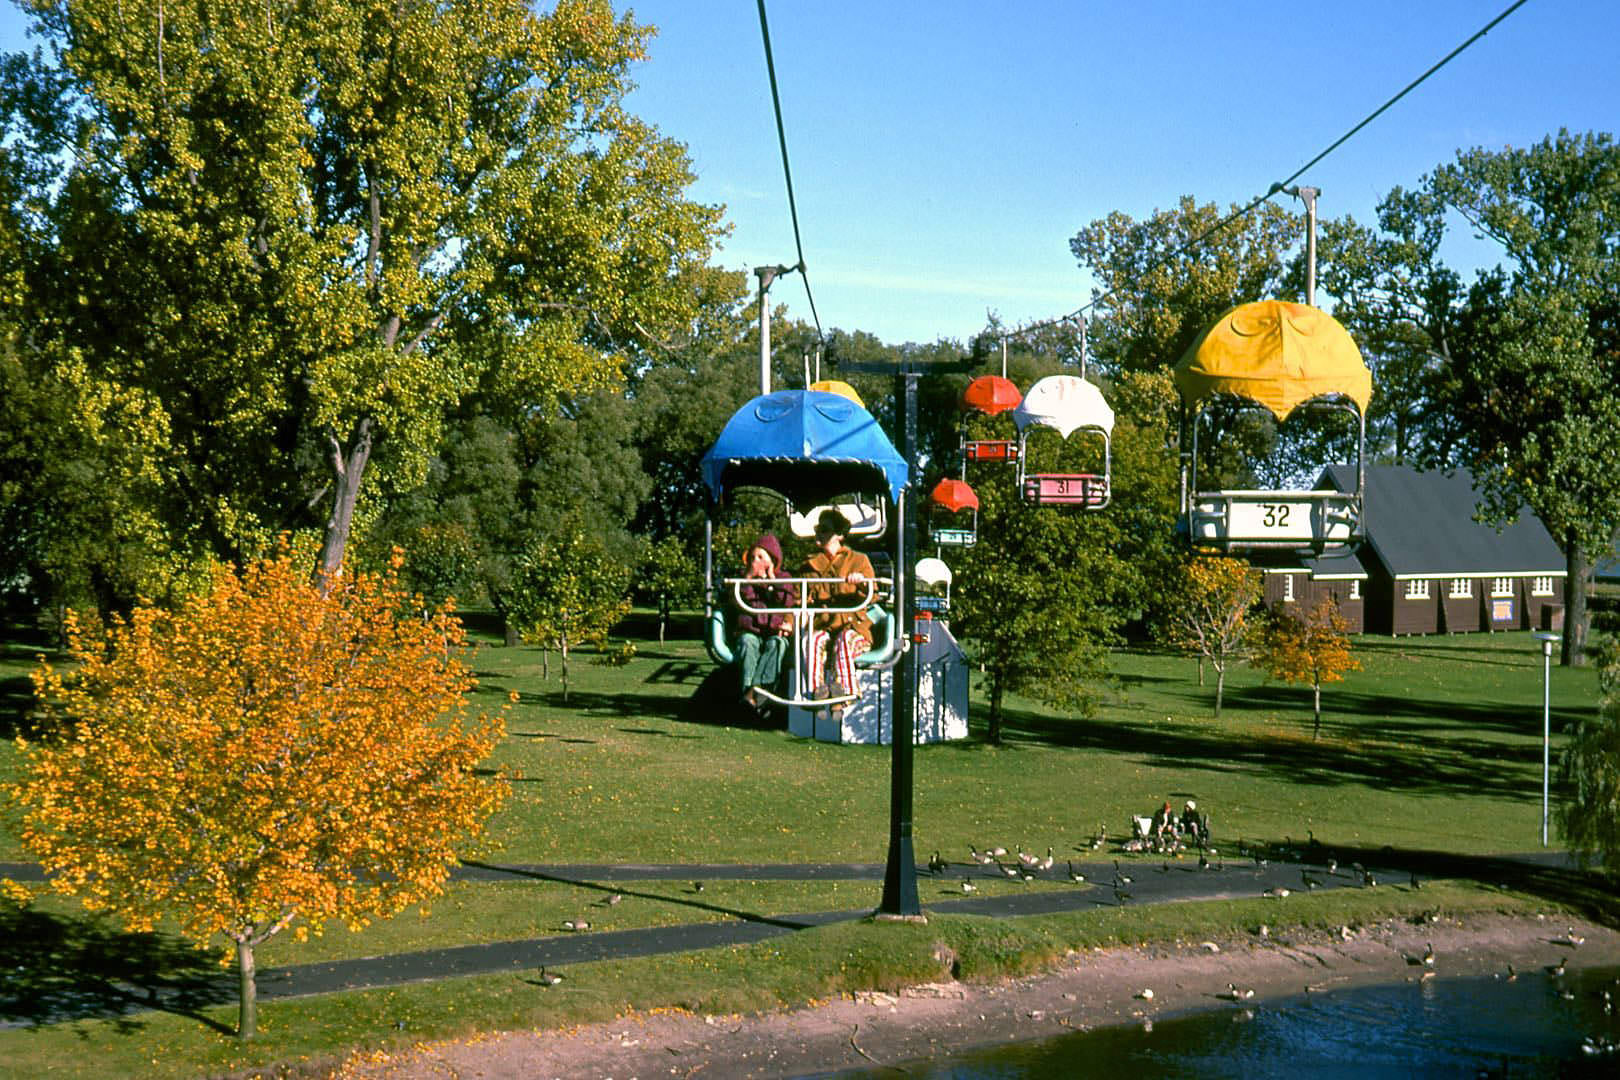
[1026,866]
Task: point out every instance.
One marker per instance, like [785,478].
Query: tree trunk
[510,633]
[1316,728]
[348,466]
[562,647]
[1573,653]
[1220,687]
[994,734]
[247,1024]
[1200,671]
[663,617]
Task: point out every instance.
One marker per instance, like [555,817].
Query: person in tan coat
[845,634]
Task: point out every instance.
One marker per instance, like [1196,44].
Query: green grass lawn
[1435,745]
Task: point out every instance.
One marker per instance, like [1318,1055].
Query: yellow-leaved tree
[1210,616]
[1313,650]
[267,755]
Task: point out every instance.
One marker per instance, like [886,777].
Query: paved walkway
[1151,880]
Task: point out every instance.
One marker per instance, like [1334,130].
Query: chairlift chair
[817,449]
[933,586]
[1065,404]
[991,395]
[1278,356]
[946,504]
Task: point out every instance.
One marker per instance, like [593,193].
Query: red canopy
[954,495]
[991,394]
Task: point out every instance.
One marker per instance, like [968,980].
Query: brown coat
[847,561]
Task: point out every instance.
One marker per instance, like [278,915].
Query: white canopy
[1064,403]
[932,572]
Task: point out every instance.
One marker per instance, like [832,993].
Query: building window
[1461,588]
[1502,587]
[1355,589]
[1542,586]
[1288,588]
[1417,589]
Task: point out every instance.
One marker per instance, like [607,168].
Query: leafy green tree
[568,590]
[1155,294]
[670,576]
[295,238]
[1589,769]
[1522,364]
[1158,290]
[1046,589]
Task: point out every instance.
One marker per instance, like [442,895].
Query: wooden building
[1427,566]
[1299,585]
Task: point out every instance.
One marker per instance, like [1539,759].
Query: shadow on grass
[17,708]
[1441,766]
[620,890]
[1593,895]
[1495,655]
[76,968]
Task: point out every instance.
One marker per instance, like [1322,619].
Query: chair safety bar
[885,650]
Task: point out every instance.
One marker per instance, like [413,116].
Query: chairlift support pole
[900,874]
[766,275]
[1307,195]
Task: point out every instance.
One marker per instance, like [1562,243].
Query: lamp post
[1548,640]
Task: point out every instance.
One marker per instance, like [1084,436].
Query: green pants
[759,660]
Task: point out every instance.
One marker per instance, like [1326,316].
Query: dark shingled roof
[1421,524]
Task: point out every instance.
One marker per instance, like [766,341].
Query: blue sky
[944,152]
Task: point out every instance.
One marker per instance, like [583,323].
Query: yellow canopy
[1276,353]
[839,387]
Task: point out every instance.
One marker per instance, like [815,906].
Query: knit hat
[772,546]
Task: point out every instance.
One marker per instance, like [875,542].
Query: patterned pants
[850,644]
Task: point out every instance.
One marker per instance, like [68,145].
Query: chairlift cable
[787,171]
[1278,186]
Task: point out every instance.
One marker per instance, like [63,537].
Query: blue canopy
[808,445]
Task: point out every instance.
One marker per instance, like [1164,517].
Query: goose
[1234,992]
[1100,839]
[1075,877]
[1332,866]
[1367,879]
[997,852]
[936,865]
[1123,879]
[1570,938]
[1416,884]
[1120,895]
[1557,970]
[968,886]
[614,899]
[1007,870]
[548,978]
[1428,955]
[576,924]
[1026,859]
[1277,892]
[983,858]
[1046,863]
[1309,881]
[697,886]
[1512,975]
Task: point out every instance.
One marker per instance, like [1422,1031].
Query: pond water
[1534,1026]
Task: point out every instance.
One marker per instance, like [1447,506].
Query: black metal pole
[900,876]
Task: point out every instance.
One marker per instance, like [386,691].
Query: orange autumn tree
[1313,650]
[264,756]
[1210,616]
